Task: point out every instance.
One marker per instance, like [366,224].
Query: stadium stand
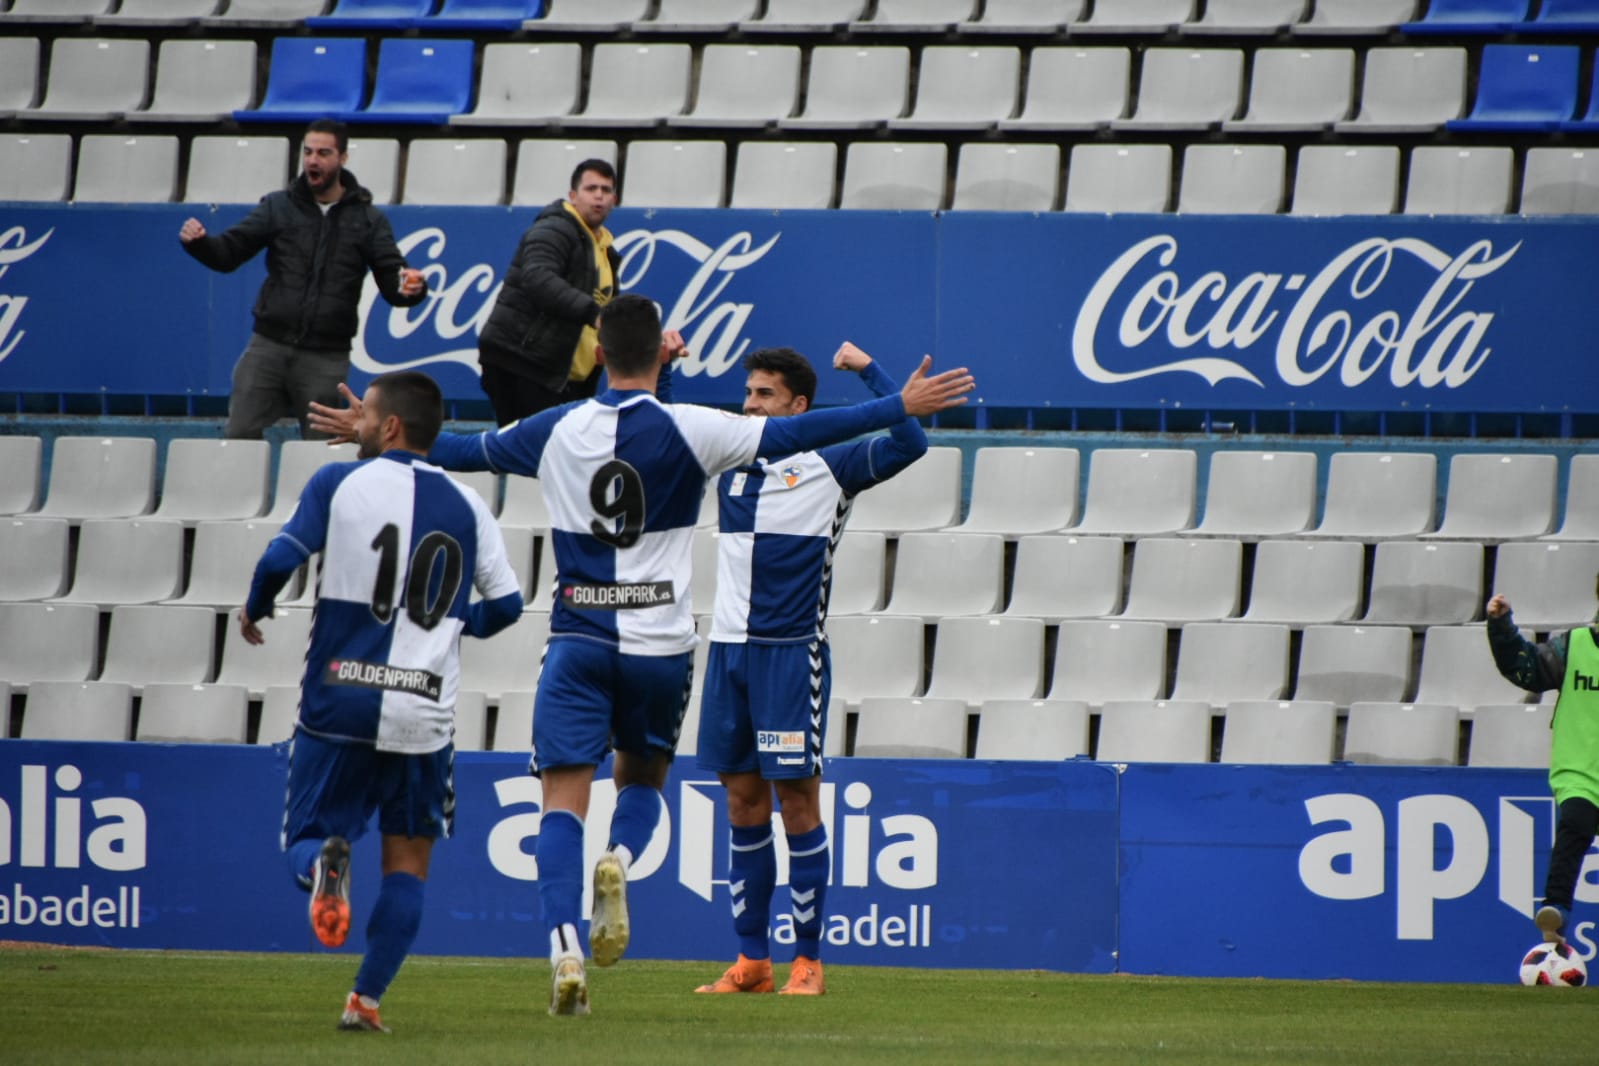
[1232,179]
[1007,177]
[419,80]
[859,573]
[1138,492]
[925,495]
[47,642]
[1459,181]
[100,477]
[1354,664]
[875,656]
[1060,577]
[1074,89]
[943,575]
[911,729]
[1032,729]
[201,714]
[237,170]
[311,78]
[1301,583]
[1175,580]
[1017,491]
[785,175]
[978,659]
[1101,660]
[1288,732]
[34,554]
[133,561]
[149,645]
[893,177]
[1220,663]
[1409,734]
[1154,731]
[1510,735]
[1256,494]
[19,474]
[78,710]
[525,84]
[200,81]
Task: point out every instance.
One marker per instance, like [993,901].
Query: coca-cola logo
[14,248]
[1344,317]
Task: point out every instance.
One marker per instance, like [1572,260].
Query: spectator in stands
[402,548]
[322,234]
[537,349]
[1568,661]
[764,709]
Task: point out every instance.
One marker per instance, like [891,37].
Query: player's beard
[368,446]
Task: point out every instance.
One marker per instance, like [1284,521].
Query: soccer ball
[1553,964]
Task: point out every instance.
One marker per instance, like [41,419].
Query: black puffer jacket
[315,263]
[547,299]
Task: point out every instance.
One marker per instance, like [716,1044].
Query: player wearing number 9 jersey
[402,548]
[623,475]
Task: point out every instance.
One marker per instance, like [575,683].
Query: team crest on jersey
[791,476]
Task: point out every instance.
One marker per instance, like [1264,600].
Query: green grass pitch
[129,1008]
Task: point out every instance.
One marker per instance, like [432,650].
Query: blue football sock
[638,808]
[808,865]
[560,856]
[390,932]
[751,875]
[302,861]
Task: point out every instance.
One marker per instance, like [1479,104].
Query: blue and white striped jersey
[780,521]
[402,548]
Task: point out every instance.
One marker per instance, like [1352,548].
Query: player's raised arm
[921,395]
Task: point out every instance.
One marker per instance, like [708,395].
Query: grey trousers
[273,381]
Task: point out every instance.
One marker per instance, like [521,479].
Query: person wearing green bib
[1568,661]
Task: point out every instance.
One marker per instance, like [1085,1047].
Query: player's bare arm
[849,357]
[925,395]
[338,423]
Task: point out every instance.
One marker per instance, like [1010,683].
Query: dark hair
[795,370]
[341,132]
[599,166]
[630,335]
[415,399]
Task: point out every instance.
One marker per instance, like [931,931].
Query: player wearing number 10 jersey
[402,547]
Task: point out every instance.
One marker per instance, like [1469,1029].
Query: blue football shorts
[334,789]
[592,697]
[764,707]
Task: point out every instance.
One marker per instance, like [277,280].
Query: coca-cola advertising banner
[1385,314]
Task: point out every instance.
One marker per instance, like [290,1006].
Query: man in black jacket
[322,235]
[537,348]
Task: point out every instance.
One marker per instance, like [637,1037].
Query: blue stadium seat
[1469,16]
[419,81]
[1523,87]
[1562,16]
[482,15]
[312,77]
[372,15]
[1588,123]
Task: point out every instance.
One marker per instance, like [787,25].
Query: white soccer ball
[1553,964]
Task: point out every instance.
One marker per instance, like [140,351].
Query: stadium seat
[940,575]
[1589,122]
[894,177]
[47,642]
[1280,732]
[1024,16]
[710,509]
[117,169]
[1469,16]
[19,74]
[236,170]
[455,173]
[1499,497]
[1175,731]
[1580,517]
[911,729]
[1351,18]
[200,714]
[1119,178]
[1457,669]
[1245,18]
[1346,180]
[100,477]
[877,655]
[1032,730]
[588,16]
[214,480]
[270,14]
[1016,491]
[1510,735]
[1563,17]
[925,495]
[78,710]
[482,15]
[1137,492]
[1073,89]
[35,166]
[471,722]
[1175,580]
[222,562]
[1402,734]
[853,88]
[676,173]
[1232,179]
[744,87]
[93,80]
[127,560]
[1297,89]
[1418,583]
[5,706]
[297,461]
[1222,662]
[1349,664]
[524,84]
[1409,90]
[1306,582]
[1102,660]
[698,16]
[34,558]
[703,573]
[371,15]
[1007,177]
[859,573]
[1059,577]
[1256,494]
[200,81]
[419,80]
[1560,181]
[513,719]
[279,661]
[524,505]
[311,78]
[635,85]
[507,661]
[147,644]
[915,16]
[544,171]
[785,175]
[1136,16]
[280,708]
[977,659]
[1186,89]
[809,17]
[64,11]
[962,88]
[544,587]
[521,551]
[19,472]
[1378,495]
[1452,180]
[1525,88]
[157,12]
[375,162]
[485,483]
[1549,583]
